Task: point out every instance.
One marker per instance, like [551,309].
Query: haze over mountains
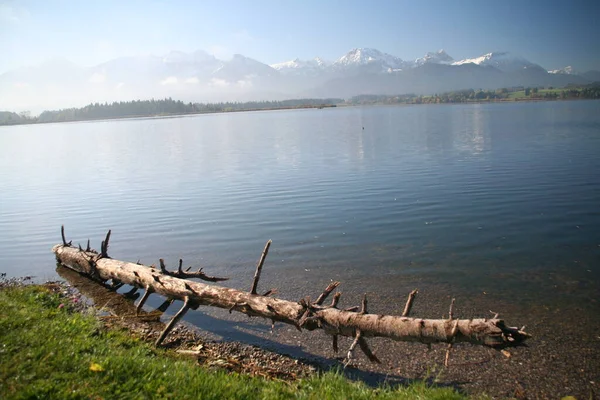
[201,77]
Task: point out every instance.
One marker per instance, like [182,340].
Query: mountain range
[201,77]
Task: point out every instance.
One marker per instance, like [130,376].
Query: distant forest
[474,96]
[147,108]
[165,107]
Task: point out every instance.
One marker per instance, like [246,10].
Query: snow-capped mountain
[242,67]
[367,57]
[568,70]
[199,76]
[321,63]
[301,67]
[438,57]
[504,61]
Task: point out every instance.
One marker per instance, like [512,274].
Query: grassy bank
[47,350]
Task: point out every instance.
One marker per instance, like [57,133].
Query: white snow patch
[298,66]
[439,57]
[368,56]
[568,70]
[503,61]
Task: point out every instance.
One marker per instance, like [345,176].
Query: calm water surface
[496,204]
[472,195]
[463,189]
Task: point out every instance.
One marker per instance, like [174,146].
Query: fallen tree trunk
[356,323]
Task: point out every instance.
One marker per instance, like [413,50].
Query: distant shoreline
[170,115]
[306,106]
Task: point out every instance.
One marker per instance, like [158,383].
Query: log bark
[303,314]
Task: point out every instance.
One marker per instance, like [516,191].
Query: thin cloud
[97,78]
[171,80]
[218,82]
[245,83]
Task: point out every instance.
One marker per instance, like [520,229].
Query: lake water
[439,188]
[485,198]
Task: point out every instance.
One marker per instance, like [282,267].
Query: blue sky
[551,33]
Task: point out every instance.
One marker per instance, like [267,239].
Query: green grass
[517,95]
[541,93]
[50,352]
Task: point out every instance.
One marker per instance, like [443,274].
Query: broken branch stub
[358,325]
[409,302]
[259,266]
[62,234]
[188,275]
[184,309]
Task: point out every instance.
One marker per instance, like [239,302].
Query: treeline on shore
[166,107]
[591,91]
[149,108]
